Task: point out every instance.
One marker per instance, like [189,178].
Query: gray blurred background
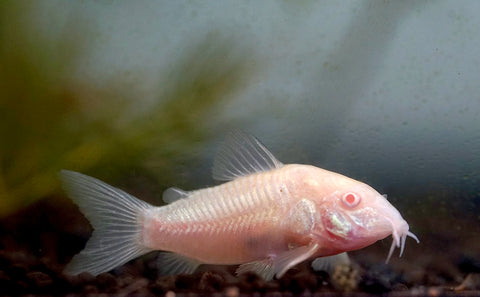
[141,93]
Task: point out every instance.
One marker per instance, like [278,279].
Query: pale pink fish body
[267,217]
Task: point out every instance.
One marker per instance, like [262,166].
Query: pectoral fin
[278,265]
[291,258]
[264,268]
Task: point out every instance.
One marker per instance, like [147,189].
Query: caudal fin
[117,221]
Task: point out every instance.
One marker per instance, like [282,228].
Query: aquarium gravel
[37,242]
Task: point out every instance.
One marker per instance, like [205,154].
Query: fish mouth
[399,236]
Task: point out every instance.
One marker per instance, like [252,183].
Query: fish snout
[382,219]
[399,227]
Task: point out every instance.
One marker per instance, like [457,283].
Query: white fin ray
[277,266]
[173,194]
[241,155]
[264,268]
[329,263]
[291,258]
[116,219]
[171,264]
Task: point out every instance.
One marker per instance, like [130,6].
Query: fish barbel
[267,217]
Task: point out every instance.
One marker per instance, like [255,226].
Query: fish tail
[116,217]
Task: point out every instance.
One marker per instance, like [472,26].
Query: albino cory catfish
[267,217]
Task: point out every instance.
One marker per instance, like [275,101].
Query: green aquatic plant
[50,120]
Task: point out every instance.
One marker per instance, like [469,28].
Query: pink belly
[231,241]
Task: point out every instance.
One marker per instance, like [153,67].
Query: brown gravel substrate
[36,243]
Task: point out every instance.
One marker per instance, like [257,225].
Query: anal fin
[171,264]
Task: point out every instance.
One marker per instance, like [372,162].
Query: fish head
[355,216]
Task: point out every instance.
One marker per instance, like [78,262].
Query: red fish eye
[351,199]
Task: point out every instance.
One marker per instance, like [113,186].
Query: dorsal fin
[240,155]
[173,194]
